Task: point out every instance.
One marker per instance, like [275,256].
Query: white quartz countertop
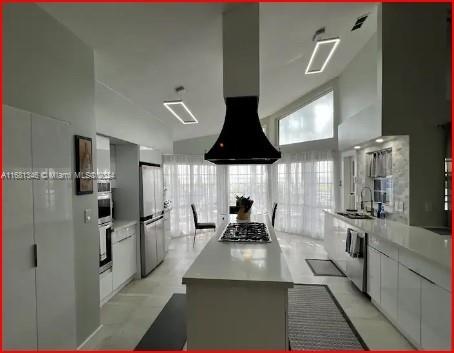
[255,263]
[432,246]
[122,223]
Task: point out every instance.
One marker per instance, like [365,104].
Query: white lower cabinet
[418,306]
[167,232]
[105,284]
[388,287]
[123,260]
[435,316]
[409,303]
[373,274]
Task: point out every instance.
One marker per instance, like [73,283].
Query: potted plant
[244,205]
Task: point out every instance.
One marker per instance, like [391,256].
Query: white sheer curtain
[249,180]
[303,185]
[187,180]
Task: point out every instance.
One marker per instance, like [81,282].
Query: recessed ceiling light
[323,51]
[357,147]
[181,112]
[380,140]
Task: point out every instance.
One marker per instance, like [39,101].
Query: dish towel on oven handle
[354,244]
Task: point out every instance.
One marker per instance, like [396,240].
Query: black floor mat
[168,331]
[324,268]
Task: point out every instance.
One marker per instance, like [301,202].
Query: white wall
[118,117]
[359,116]
[195,146]
[150,156]
[49,71]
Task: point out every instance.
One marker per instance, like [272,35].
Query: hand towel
[354,243]
[348,241]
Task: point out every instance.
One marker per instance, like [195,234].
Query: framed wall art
[84,165]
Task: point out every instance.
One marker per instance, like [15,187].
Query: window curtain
[303,185]
[187,180]
[249,180]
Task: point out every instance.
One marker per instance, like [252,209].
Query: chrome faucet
[371,200]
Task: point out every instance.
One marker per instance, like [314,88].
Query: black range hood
[242,140]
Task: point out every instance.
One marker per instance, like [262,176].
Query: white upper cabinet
[103,154]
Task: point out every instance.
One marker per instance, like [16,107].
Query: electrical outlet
[87,215]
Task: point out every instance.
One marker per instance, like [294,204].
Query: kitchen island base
[236,316]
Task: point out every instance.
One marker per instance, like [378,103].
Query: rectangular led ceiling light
[323,51]
[181,112]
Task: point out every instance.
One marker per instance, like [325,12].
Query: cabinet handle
[35,255]
[423,277]
[124,239]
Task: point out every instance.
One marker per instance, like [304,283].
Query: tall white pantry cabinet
[38,244]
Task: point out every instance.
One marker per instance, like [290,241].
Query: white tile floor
[127,316]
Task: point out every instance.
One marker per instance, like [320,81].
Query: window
[312,122]
[249,180]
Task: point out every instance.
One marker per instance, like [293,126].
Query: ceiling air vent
[359,22]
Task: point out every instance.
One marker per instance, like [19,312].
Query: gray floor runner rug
[324,268]
[317,321]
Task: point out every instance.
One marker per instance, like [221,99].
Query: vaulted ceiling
[143,51]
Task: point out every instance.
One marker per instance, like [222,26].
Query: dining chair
[273,217]
[198,225]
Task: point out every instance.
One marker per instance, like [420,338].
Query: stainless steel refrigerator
[152,238]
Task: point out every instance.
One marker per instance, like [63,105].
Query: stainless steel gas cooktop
[251,232]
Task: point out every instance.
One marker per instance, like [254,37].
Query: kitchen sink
[354,215]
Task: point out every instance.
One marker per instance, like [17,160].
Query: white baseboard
[89,338]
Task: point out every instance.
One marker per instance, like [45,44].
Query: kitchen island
[237,294]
